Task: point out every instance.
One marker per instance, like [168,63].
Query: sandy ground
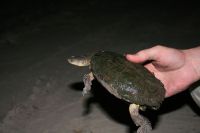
[41,93]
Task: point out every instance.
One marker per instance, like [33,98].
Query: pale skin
[176,69]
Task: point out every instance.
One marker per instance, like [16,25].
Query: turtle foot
[139,120]
[87,79]
[145,128]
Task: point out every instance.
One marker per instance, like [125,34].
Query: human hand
[172,67]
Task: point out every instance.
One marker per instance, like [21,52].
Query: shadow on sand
[118,109]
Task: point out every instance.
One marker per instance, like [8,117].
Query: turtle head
[79,60]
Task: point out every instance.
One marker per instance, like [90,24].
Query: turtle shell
[125,80]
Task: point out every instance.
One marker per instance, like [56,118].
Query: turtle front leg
[87,79]
[145,125]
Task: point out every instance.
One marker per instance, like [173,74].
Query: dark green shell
[128,81]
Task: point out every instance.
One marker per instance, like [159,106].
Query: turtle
[128,81]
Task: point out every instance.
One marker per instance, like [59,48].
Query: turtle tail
[80,60]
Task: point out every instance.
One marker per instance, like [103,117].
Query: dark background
[180,14]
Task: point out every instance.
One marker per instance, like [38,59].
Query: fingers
[144,55]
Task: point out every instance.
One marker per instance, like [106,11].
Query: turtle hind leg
[145,125]
[87,79]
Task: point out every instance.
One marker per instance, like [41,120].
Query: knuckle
[158,46]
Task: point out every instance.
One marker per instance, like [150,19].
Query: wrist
[192,56]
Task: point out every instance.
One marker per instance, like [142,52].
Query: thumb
[143,55]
